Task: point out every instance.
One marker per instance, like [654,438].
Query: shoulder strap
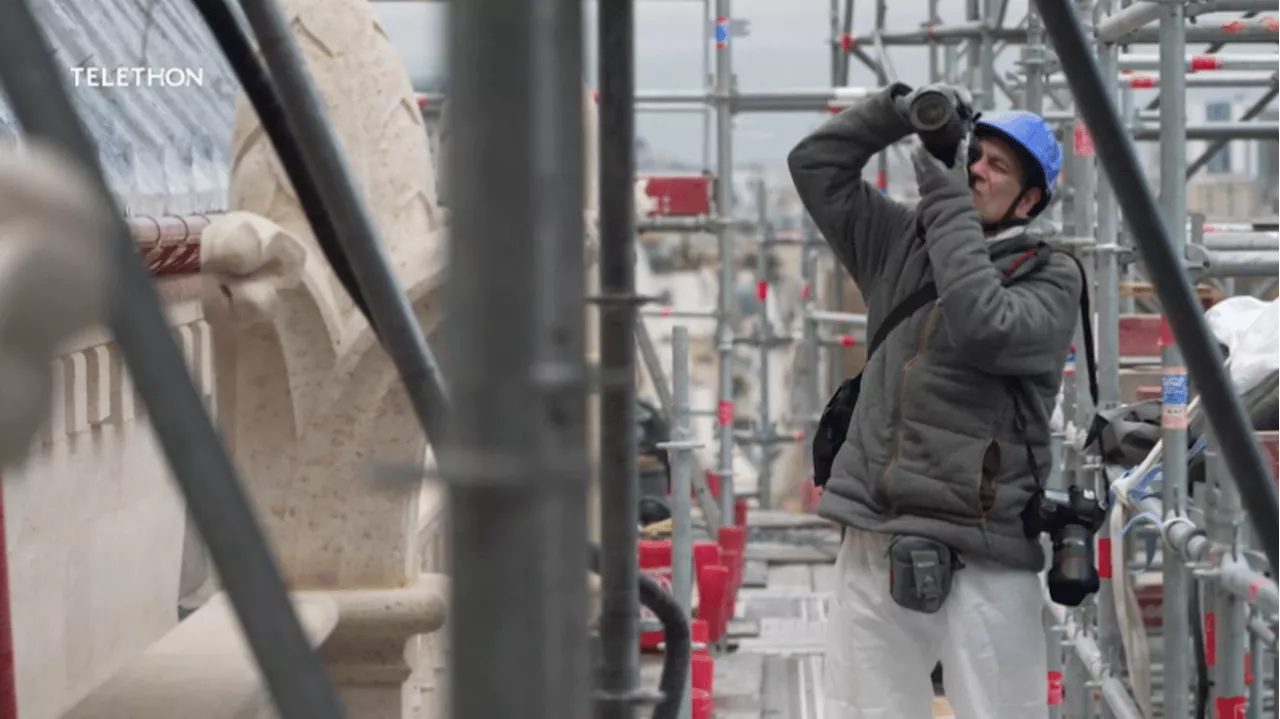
[1015,385]
[929,293]
[1086,326]
[903,310]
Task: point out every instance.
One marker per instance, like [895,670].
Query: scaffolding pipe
[1060,116]
[1139,14]
[987,54]
[670,405]
[1222,404]
[812,353]
[1107,304]
[1191,545]
[846,31]
[788,100]
[1213,131]
[503,469]
[724,207]
[1242,264]
[837,317]
[1242,242]
[669,313]
[820,99]
[1151,80]
[1033,63]
[1254,226]
[680,450]
[1113,691]
[619,483]
[202,468]
[938,32]
[1236,32]
[659,223]
[1199,62]
[1232,31]
[559,377]
[764,331]
[1230,621]
[1177,581]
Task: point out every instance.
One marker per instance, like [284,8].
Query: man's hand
[932,176]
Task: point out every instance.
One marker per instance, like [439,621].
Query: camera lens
[1073,576]
[930,110]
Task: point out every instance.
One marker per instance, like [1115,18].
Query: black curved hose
[1203,682]
[261,91]
[679,640]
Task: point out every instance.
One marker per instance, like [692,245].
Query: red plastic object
[713,483]
[654,553]
[700,702]
[1055,688]
[702,672]
[1139,336]
[678,195]
[8,682]
[1270,451]
[733,562]
[731,538]
[1229,707]
[733,544]
[813,493]
[740,512]
[713,585]
[654,557]
[1147,392]
[700,634]
[1103,554]
[1205,62]
[1151,602]
[705,554]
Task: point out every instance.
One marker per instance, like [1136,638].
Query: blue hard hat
[1028,132]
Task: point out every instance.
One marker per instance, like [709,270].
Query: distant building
[1241,179]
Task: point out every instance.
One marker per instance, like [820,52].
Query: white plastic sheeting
[1250,329]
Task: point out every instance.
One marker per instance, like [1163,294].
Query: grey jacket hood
[932,449]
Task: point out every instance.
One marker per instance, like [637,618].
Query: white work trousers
[989,636]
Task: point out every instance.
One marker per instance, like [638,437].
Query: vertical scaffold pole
[619,484]
[560,352]
[1173,161]
[724,211]
[506,178]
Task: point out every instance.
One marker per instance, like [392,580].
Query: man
[936,448]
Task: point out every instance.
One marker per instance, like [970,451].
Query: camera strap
[1017,387]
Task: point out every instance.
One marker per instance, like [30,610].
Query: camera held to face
[942,120]
[1071,518]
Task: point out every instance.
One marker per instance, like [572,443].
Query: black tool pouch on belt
[833,426]
[920,572]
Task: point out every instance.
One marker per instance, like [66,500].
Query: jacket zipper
[883,484]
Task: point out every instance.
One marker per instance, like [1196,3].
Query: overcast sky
[786,49]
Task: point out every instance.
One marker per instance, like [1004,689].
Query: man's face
[996,178]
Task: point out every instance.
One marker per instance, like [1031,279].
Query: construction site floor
[774,671]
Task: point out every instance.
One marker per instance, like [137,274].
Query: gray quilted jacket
[932,449]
